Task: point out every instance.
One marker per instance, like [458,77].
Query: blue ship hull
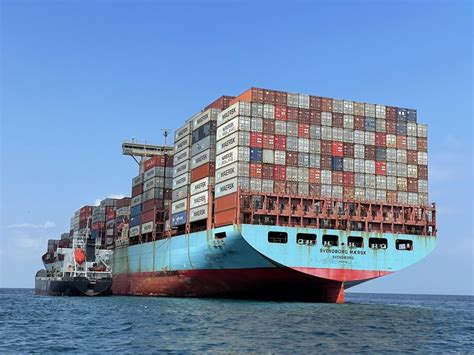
[239,261]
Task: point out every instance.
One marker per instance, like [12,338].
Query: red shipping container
[337,178]
[412,185]
[422,144]
[279,187]
[292,158]
[348,178]
[268,126]
[280,98]
[370,152]
[315,117]
[326,104]
[338,120]
[221,103]
[110,215]
[423,172]
[148,216]
[337,149]
[252,94]
[391,127]
[326,147]
[226,217]
[268,141]
[202,171]
[123,202]
[380,168]
[169,160]
[348,193]
[380,139]
[359,122]
[281,112]
[401,142]
[269,96]
[391,113]
[256,170]
[315,190]
[280,142]
[315,102]
[349,150]
[137,190]
[225,202]
[292,114]
[153,204]
[326,162]
[279,172]
[267,171]
[314,176]
[291,188]
[304,115]
[392,196]
[256,140]
[412,157]
[158,160]
[303,130]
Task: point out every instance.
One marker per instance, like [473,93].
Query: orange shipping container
[202,171]
[225,202]
[337,149]
[224,218]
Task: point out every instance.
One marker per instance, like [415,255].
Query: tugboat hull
[77,286]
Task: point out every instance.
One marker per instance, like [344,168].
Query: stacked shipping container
[302,145]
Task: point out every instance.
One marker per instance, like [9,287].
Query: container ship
[274,195]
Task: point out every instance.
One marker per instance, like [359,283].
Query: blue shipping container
[337,164]
[136,210]
[256,155]
[94,234]
[134,221]
[178,219]
[401,128]
[411,115]
[370,124]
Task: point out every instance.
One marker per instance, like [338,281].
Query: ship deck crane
[143,150]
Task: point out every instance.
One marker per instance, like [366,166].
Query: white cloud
[117,196]
[47,224]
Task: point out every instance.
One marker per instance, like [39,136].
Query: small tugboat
[80,270]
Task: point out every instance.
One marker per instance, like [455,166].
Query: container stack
[156,196]
[99,219]
[203,156]
[136,206]
[302,145]
[181,175]
[122,218]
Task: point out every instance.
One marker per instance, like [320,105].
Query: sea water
[366,322]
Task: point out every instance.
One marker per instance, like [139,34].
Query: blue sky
[80,77]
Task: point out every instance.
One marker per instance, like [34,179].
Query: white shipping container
[369,138]
[315,161]
[423,199]
[359,193]
[423,186]
[359,180]
[206,116]
[348,107]
[402,197]
[370,110]
[240,108]
[326,177]
[337,134]
[359,108]
[256,124]
[147,227]
[391,183]
[200,185]
[391,141]
[137,180]
[315,131]
[326,118]
[280,127]
[326,133]
[422,130]
[412,171]
[359,166]
[401,156]
[198,213]
[206,143]
[291,173]
[256,109]
[326,191]
[303,189]
[391,168]
[303,101]
[380,111]
[337,192]
[412,198]
[381,195]
[181,156]
[268,111]
[181,168]
[370,194]
[225,188]
[267,186]
[348,164]
[380,125]
[267,156]
[231,171]
[303,145]
[412,129]
[203,158]
[255,184]
[154,182]
[179,206]
[185,130]
[370,181]
[348,135]
[238,123]
[183,143]
[338,106]
[370,166]
[180,193]
[402,184]
[228,157]
[134,231]
[136,200]
[280,157]
[303,175]
[411,143]
[180,181]
[381,182]
[359,137]
[292,100]
[359,151]
[292,144]
[314,146]
[391,155]
[292,129]
[349,121]
[153,172]
[199,199]
[422,158]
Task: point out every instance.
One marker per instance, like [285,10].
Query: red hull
[262,283]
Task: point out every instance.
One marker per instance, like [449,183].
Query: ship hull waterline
[77,286]
[245,265]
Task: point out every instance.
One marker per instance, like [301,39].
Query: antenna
[166,132]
